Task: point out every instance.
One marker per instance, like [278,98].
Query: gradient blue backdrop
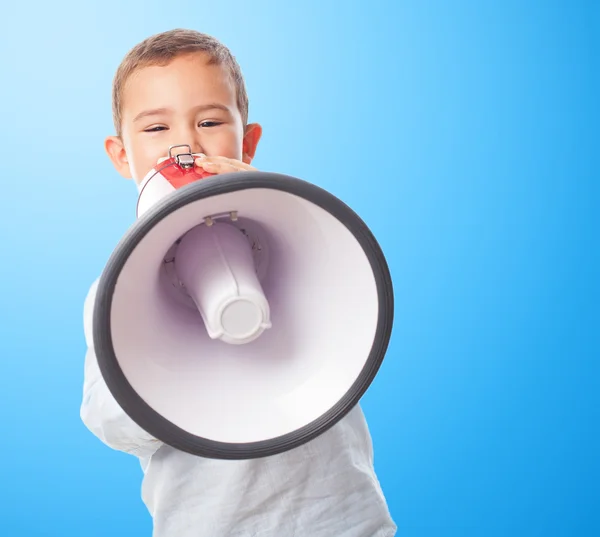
[463,132]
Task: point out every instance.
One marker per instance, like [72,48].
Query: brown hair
[161,49]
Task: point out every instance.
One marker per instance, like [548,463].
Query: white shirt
[325,488]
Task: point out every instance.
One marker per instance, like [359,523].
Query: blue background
[464,133]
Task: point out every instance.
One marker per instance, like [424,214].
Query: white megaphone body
[242,314]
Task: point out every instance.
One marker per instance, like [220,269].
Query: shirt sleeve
[100,412]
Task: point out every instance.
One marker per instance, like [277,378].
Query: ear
[113,145]
[252,136]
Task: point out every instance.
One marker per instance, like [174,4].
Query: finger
[223,165]
[218,167]
[223,160]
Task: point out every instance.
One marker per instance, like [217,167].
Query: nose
[184,137]
[184,141]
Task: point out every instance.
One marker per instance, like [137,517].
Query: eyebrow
[161,111]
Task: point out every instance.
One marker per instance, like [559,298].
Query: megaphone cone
[243,314]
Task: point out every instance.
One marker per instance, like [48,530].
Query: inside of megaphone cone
[256,294]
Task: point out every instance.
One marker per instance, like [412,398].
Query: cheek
[229,145]
[142,159]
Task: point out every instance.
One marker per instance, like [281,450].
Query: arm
[100,412]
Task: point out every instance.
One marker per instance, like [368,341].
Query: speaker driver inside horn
[257,240]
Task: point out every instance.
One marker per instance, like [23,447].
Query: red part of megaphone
[169,176]
[179,176]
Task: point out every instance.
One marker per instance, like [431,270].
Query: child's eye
[155,129]
[210,123]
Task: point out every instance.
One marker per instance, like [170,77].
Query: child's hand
[219,165]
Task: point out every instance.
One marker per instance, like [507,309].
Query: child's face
[186,102]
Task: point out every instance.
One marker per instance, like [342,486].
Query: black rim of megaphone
[162,429]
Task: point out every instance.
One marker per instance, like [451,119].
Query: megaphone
[243,314]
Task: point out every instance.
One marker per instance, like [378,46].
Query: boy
[184,87]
